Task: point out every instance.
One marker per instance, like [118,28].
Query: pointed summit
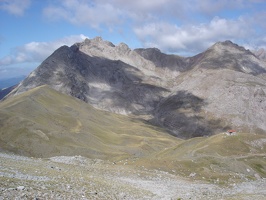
[97,39]
[227,44]
[228,55]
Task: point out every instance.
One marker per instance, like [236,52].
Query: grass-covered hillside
[221,158]
[43,122]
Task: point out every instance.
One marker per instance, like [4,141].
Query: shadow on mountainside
[124,84]
[182,115]
[107,84]
[119,87]
[162,60]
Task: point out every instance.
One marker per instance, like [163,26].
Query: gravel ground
[82,178]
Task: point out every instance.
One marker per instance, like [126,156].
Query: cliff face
[223,87]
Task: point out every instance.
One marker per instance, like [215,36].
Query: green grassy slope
[219,158]
[43,122]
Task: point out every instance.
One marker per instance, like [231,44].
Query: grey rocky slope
[223,87]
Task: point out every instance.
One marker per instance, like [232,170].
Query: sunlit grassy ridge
[43,122]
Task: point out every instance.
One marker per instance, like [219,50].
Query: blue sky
[32,29]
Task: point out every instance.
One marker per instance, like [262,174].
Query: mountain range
[145,109]
[221,88]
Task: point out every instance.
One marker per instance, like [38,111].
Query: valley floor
[82,178]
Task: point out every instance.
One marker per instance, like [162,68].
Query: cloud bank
[38,51]
[173,26]
[193,39]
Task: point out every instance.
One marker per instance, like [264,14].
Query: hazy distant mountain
[221,88]
[5,83]
[4,92]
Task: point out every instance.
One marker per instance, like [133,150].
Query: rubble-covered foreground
[82,178]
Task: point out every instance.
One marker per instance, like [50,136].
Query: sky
[30,30]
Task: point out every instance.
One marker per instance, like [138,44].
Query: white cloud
[96,13]
[15,7]
[80,12]
[170,25]
[113,13]
[193,39]
[38,51]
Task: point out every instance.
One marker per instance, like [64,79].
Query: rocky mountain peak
[123,46]
[97,39]
[99,47]
[228,55]
[96,42]
[228,46]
